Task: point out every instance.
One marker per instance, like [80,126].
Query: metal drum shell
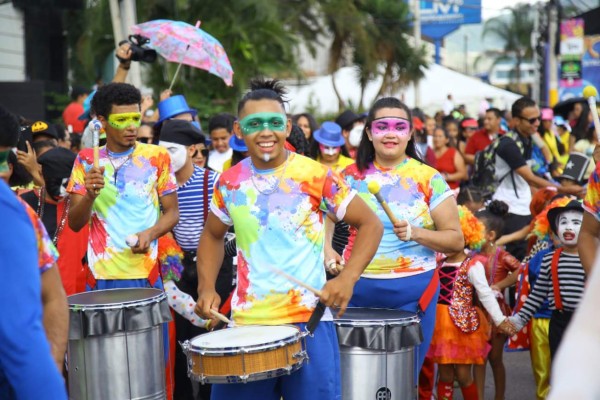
[378,353]
[116,348]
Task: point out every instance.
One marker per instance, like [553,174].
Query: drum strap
[91,281]
[429,292]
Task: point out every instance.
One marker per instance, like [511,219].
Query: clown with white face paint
[562,278]
[328,147]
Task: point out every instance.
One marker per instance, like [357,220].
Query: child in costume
[500,271]
[460,338]
[561,279]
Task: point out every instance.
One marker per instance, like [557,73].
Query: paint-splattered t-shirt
[128,204]
[278,216]
[412,190]
[591,203]
[47,253]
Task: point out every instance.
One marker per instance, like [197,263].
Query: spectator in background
[328,147]
[64,136]
[220,129]
[484,137]
[580,119]
[448,162]
[563,132]
[430,126]
[352,130]
[172,107]
[468,127]
[70,115]
[448,105]
[307,123]
[421,145]
[145,133]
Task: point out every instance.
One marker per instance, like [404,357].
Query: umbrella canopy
[186,44]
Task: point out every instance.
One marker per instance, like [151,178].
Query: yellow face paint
[125,120]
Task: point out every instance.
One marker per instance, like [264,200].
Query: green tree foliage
[261,38]
[513,29]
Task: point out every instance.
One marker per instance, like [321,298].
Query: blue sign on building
[442,17]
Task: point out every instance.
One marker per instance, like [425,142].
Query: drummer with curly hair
[277,201]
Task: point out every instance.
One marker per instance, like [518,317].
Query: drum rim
[252,377]
[346,322]
[255,348]
[160,296]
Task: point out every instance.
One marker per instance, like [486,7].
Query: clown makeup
[125,120]
[398,126]
[178,153]
[255,123]
[328,150]
[567,226]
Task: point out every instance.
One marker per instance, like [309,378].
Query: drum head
[244,336]
[113,297]
[356,316]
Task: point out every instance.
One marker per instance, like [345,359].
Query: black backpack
[484,169]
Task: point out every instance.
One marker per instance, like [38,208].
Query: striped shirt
[191,208]
[571,282]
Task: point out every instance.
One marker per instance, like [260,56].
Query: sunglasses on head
[532,120]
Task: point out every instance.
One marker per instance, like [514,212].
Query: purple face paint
[398,126]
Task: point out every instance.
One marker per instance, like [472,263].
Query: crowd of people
[263,189]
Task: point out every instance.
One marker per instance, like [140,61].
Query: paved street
[519,379]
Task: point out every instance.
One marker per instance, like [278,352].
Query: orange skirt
[452,346]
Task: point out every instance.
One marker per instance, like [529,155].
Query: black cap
[553,213]
[42,128]
[346,119]
[180,132]
[576,167]
[57,163]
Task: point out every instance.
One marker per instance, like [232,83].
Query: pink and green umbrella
[186,44]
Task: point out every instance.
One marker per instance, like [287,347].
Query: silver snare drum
[116,344]
[377,353]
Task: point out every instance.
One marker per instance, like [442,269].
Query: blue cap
[237,144]
[173,106]
[87,105]
[329,134]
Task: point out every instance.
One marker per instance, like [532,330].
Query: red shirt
[479,141]
[71,117]
[445,164]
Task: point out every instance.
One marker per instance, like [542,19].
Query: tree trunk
[386,77]
[341,104]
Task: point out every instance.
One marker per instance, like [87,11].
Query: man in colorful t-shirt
[277,202]
[589,235]
[122,198]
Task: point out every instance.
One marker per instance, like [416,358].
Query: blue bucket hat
[329,134]
[87,105]
[237,144]
[173,106]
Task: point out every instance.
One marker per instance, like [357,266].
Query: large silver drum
[378,354]
[116,346]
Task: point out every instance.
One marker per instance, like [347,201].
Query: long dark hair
[366,152]
[261,89]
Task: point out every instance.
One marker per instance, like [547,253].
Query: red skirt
[450,345]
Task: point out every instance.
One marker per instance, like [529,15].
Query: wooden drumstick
[298,282]
[221,317]
[374,189]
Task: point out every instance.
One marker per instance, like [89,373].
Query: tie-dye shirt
[591,203]
[412,190]
[128,204]
[47,253]
[278,216]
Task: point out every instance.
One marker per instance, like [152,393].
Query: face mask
[178,153]
[125,120]
[57,187]
[567,227]
[4,161]
[329,151]
[255,123]
[355,135]
[397,126]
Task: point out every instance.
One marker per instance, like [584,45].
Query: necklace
[120,164]
[63,218]
[275,186]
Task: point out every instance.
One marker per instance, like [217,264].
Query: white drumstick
[590,93]
[221,317]
[298,282]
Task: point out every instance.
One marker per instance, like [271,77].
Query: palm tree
[513,30]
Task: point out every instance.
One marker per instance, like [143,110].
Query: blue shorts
[318,379]
[400,294]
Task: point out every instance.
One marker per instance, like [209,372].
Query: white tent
[433,88]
